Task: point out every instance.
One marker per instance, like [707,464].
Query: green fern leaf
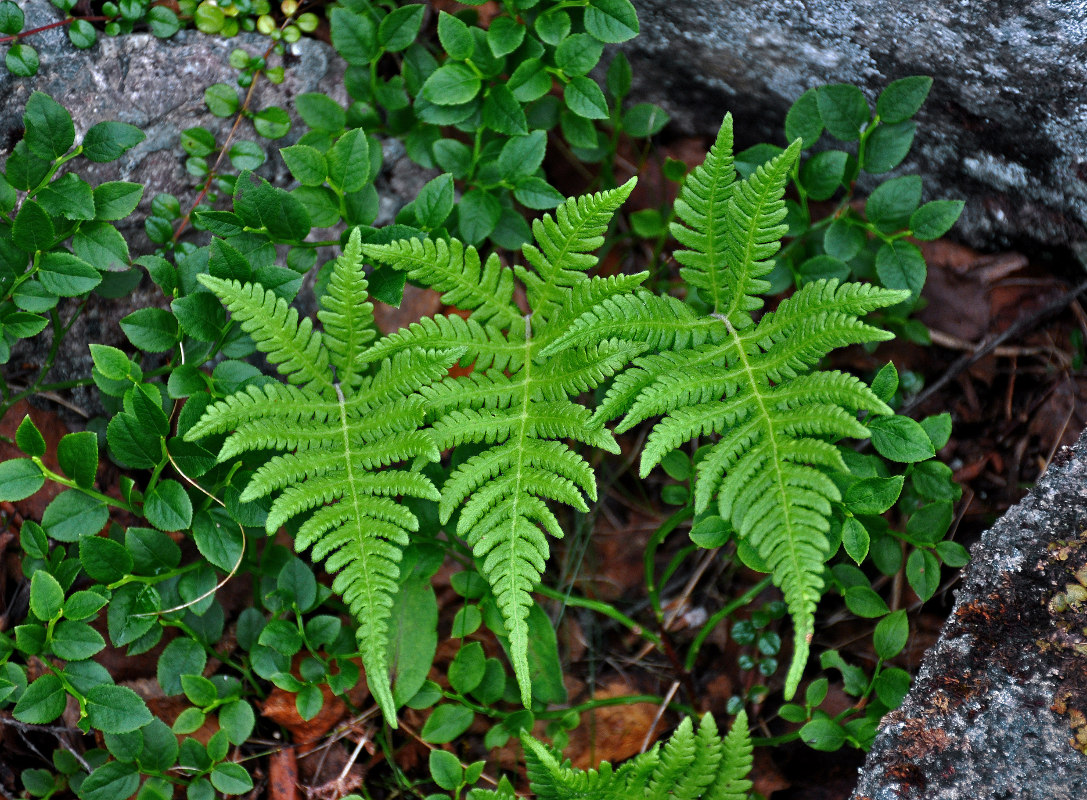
[703,207]
[731,782]
[693,765]
[454,270]
[344,424]
[751,385]
[517,400]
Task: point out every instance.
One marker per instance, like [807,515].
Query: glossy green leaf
[104,560]
[50,132]
[32,230]
[29,439]
[46,596]
[901,99]
[933,220]
[843,109]
[900,439]
[611,21]
[108,141]
[585,98]
[803,120]
[19,478]
[116,709]
[168,507]
[450,85]
[42,702]
[116,199]
[72,515]
[446,723]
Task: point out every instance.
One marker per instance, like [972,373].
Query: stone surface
[1005,127]
[999,700]
[158,85]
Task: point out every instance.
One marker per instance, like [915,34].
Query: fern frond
[272,434]
[585,295]
[693,765]
[702,206]
[575,371]
[732,782]
[518,400]
[750,384]
[676,758]
[288,403]
[346,315]
[753,230]
[294,347]
[454,270]
[551,779]
[654,320]
[564,246]
[485,345]
[340,428]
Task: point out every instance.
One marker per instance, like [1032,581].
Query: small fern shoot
[694,764]
[516,402]
[342,423]
[751,384]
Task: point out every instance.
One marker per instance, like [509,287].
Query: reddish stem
[58,24]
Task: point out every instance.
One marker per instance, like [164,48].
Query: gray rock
[999,702]
[1005,127]
[158,85]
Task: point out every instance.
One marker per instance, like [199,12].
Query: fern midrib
[711,239]
[526,693]
[749,373]
[744,268]
[377,682]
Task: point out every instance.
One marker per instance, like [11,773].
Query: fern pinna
[692,765]
[752,383]
[515,400]
[343,420]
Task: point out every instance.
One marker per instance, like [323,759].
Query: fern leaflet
[343,423]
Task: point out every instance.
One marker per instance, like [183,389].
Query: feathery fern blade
[294,347]
[346,313]
[657,322]
[566,241]
[288,404]
[338,470]
[753,234]
[701,206]
[454,269]
[676,758]
[575,371]
[484,345]
[732,782]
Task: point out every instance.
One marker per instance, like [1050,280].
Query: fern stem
[600,607]
[718,616]
[650,556]
[604,702]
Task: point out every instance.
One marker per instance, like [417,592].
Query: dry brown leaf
[613,733]
[283,775]
[280,707]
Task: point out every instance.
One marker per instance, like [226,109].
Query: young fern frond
[749,383]
[692,765]
[517,401]
[343,425]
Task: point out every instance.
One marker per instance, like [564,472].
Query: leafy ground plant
[456,452]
